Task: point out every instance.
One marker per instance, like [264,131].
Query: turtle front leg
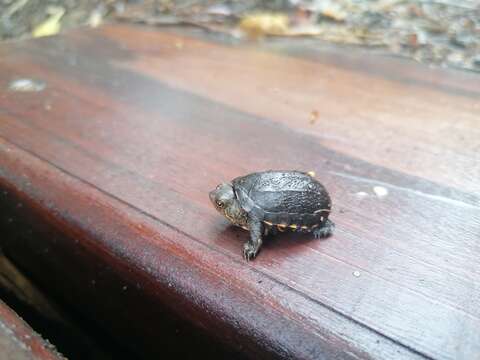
[251,248]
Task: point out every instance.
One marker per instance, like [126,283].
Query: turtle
[275,200]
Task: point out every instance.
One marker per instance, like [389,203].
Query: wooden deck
[105,173]
[19,342]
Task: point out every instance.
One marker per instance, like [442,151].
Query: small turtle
[270,201]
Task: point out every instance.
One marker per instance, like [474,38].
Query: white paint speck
[356,273]
[361,194]
[380,191]
[26,85]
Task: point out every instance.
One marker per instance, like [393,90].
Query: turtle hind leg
[324,230]
[251,247]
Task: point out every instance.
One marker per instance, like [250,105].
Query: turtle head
[226,202]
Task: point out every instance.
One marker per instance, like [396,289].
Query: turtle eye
[220,204]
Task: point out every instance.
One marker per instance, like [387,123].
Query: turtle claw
[325,230]
[249,251]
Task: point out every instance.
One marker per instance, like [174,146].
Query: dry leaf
[334,13]
[257,25]
[51,26]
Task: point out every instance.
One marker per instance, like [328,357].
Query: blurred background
[437,32]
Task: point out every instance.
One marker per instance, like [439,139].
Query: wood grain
[117,155]
[19,342]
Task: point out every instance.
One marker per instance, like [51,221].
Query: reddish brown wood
[112,163]
[430,112]
[19,342]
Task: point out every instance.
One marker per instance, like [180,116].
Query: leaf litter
[438,32]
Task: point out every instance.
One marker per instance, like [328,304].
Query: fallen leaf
[260,24]
[51,26]
[334,13]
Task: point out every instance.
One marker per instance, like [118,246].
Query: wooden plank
[19,342]
[356,96]
[117,155]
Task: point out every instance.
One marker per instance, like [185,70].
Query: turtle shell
[286,198]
